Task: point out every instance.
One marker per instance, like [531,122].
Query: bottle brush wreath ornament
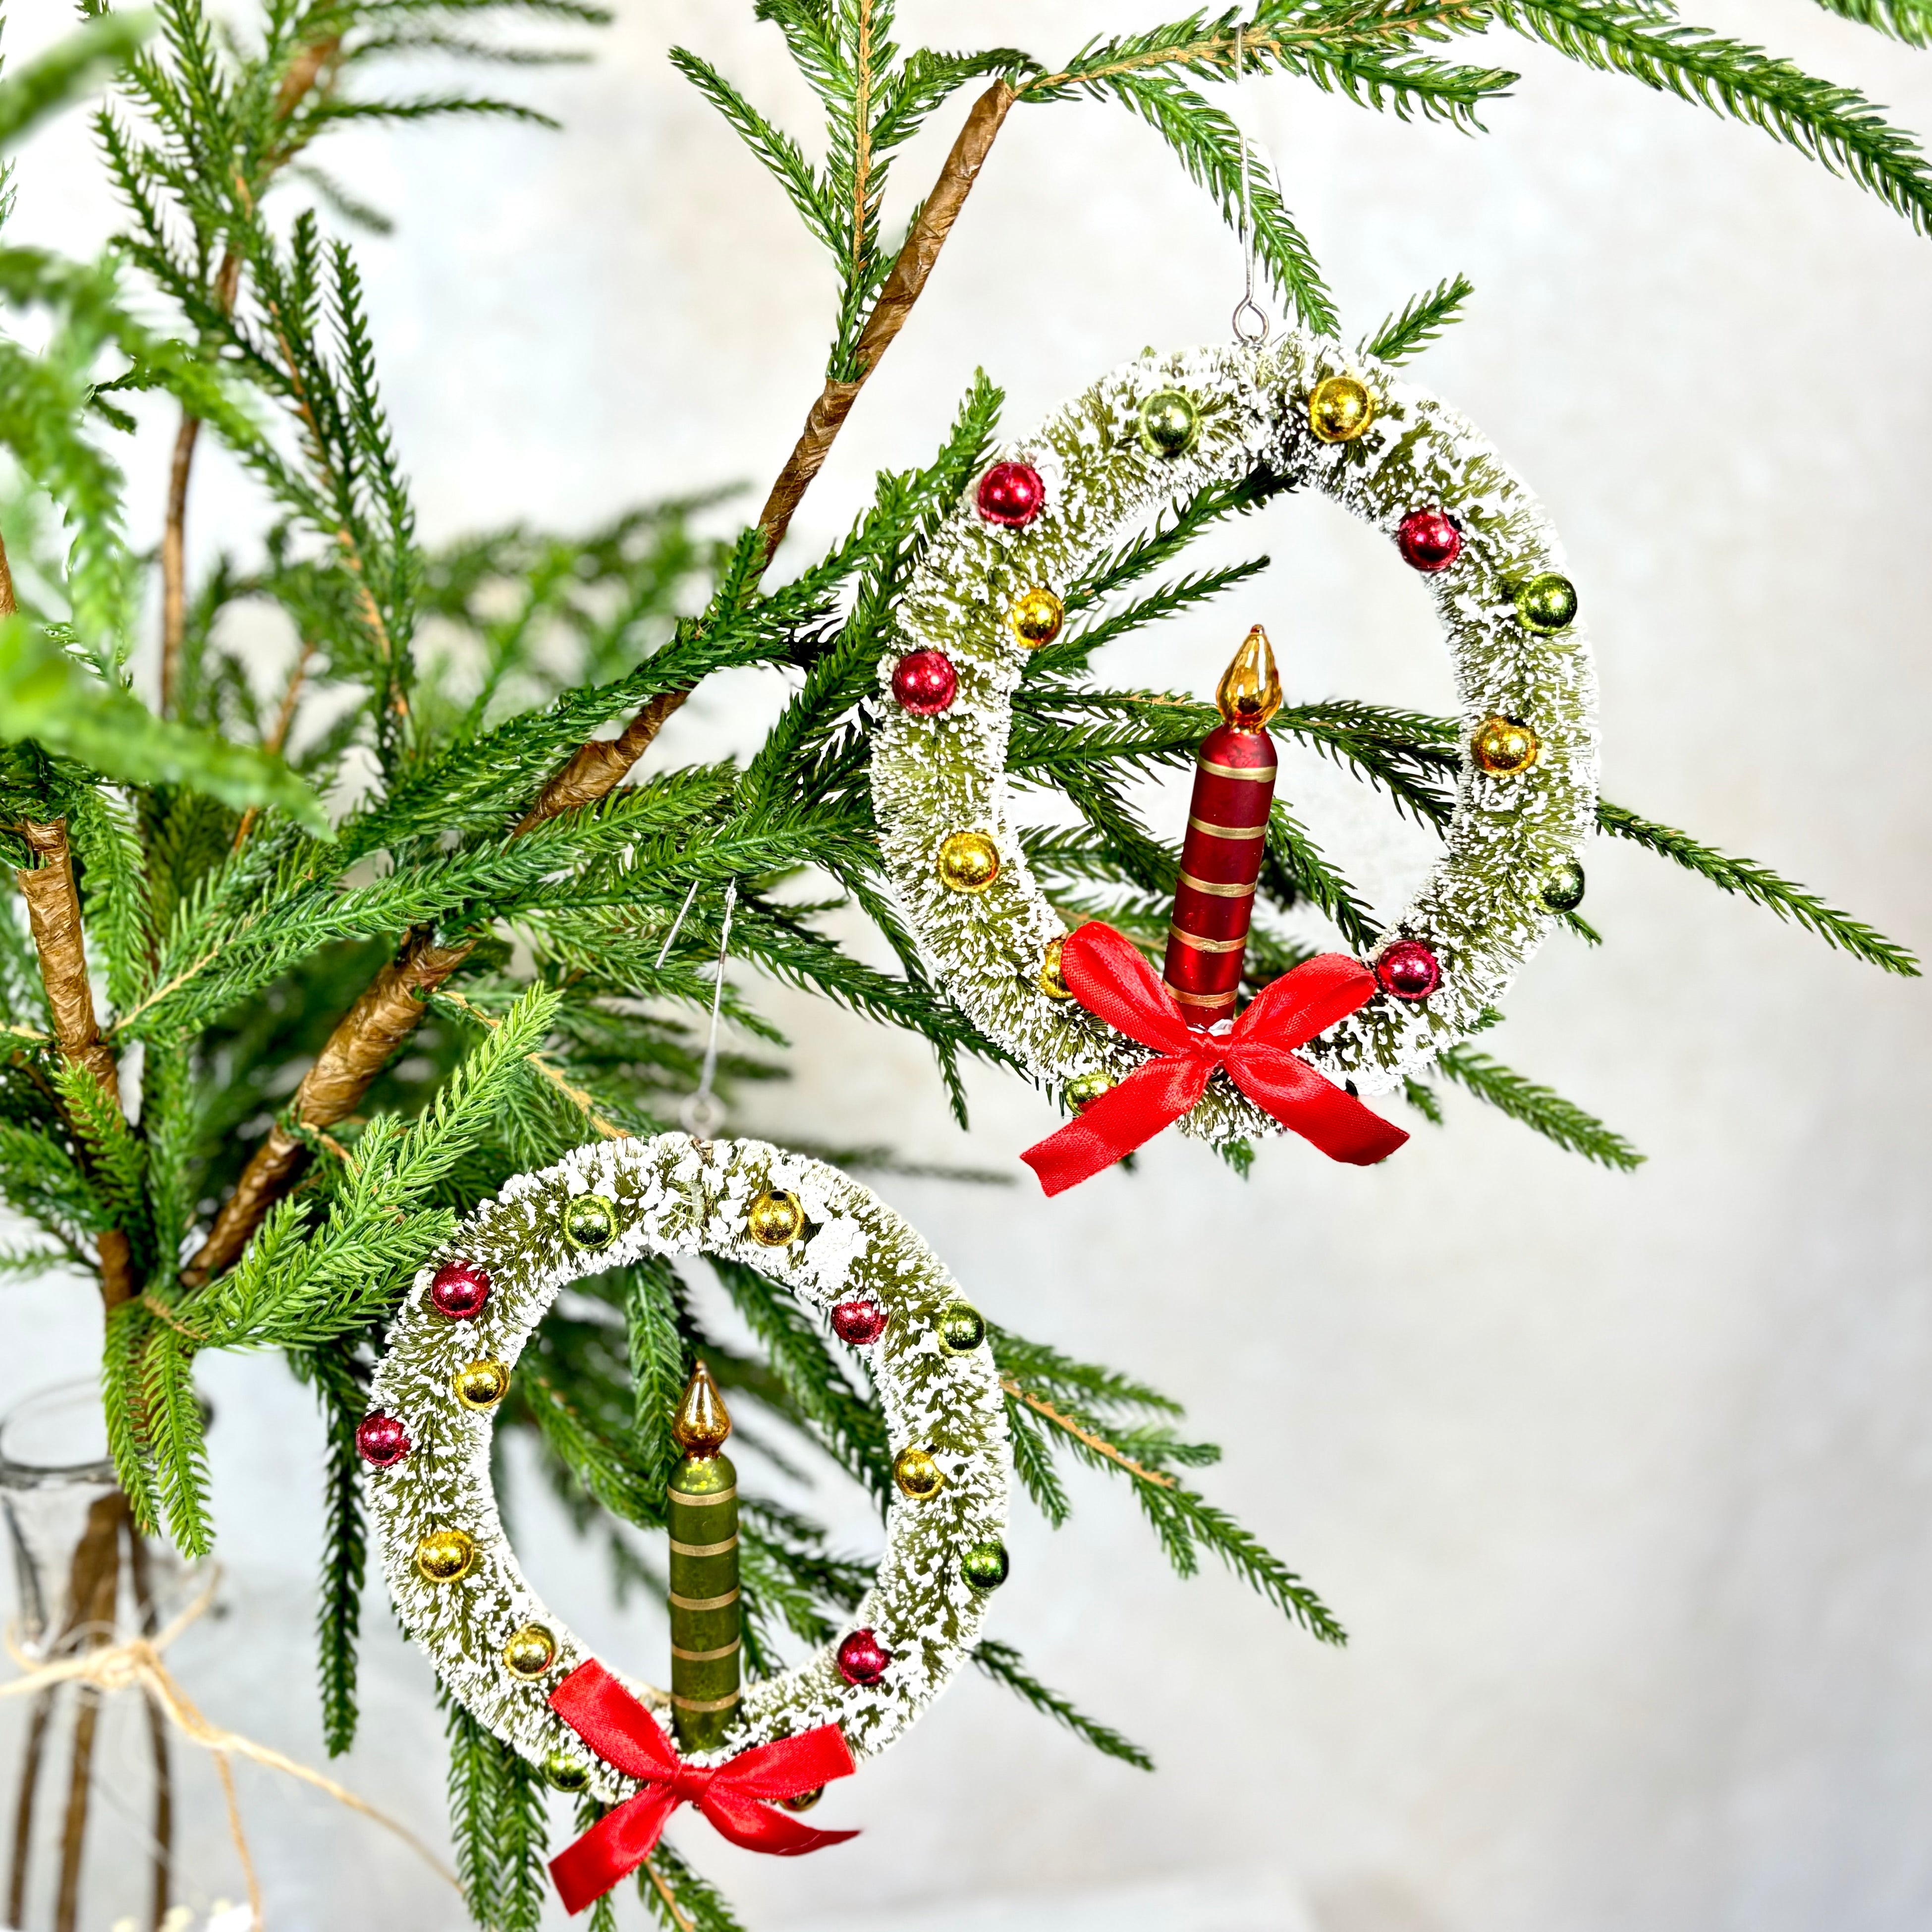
[516,1666]
[1074,1010]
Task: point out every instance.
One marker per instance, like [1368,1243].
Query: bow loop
[736,1796]
[1110,978]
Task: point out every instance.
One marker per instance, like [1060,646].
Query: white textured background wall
[1622,1485]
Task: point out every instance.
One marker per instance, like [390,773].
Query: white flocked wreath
[676,1195]
[1482,910]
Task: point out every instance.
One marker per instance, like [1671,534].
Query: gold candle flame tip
[1249,692]
[702,1422]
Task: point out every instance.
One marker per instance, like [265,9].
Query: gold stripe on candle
[699,1705]
[1188,939]
[703,1549]
[1207,825]
[1188,999]
[678,1602]
[1252,774]
[691,1502]
[705,1656]
[1217,892]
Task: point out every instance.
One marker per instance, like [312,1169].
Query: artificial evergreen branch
[1763,887]
[1423,318]
[1644,40]
[1907,20]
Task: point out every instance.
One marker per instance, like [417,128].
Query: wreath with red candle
[451,1352]
[991,589]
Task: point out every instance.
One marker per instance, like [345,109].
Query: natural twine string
[132,1663]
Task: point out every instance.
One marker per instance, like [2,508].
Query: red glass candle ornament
[925,682]
[459,1290]
[862,1658]
[1429,540]
[859,1321]
[1227,827]
[1013,494]
[381,1440]
[1409,970]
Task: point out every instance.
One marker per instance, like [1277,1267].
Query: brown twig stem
[379,1022]
[1099,1445]
[141,1575]
[94,1584]
[53,912]
[7,606]
[303,73]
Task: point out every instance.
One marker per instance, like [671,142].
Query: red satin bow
[1109,977]
[736,1797]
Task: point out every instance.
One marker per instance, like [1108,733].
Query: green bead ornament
[1085,1088]
[961,1328]
[985,1566]
[1169,423]
[1547,602]
[590,1221]
[562,1772]
[1563,889]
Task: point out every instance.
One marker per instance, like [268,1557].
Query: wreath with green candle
[453,1348]
[1155,433]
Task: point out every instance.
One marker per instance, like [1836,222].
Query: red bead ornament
[925,682]
[1012,493]
[862,1658]
[1429,540]
[861,1321]
[381,1439]
[1409,971]
[459,1290]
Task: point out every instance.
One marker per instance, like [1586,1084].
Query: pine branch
[1763,887]
[345,1547]
[1907,20]
[1002,1662]
[1551,1115]
[1644,40]
[1423,318]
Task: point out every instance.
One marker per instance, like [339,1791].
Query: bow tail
[612,1849]
[755,1826]
[1307,1103]
[1156,1094]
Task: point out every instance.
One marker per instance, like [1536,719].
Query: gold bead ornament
[1052,981]
[1504,746]
[481,1385]
[530,1652]
[1036,617]
[775,1220]
[1340,408]
[445,1554]
[969,862]
[917,1474]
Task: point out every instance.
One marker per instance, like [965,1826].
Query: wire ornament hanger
[702,1113]
[1250,320]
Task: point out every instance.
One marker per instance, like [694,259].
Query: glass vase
[87,1839]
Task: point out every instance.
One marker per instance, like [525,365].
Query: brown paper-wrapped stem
[53,911]
[355,1053]
[361,1043]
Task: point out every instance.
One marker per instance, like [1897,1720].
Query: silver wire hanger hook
[1250,320]
[702,1113]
